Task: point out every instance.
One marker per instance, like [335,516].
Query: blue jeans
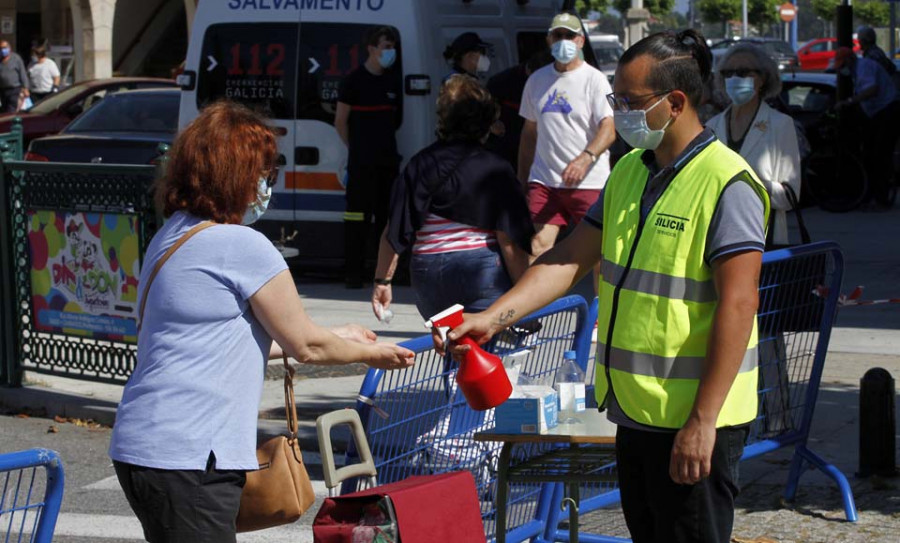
[472,278]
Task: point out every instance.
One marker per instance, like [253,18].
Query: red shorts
[561,207]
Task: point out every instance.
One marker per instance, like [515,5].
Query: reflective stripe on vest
[657,295]
[665,367]
[658,284]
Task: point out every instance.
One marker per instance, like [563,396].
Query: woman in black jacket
[461,211]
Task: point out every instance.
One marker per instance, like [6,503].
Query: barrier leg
[838,477]
[796,470]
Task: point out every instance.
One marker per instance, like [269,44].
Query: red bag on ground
[428,509]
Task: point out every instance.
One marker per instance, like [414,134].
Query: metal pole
[744,18]
[794,27]
[893,40]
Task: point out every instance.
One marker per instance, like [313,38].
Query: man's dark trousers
[9,99]
[368,202]
[657,510]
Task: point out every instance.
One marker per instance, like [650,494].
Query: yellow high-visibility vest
[657,296]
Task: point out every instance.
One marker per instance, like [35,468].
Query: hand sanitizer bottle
[569,385]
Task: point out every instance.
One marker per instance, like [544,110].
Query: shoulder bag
[279,492]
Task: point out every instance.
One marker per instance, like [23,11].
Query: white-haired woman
[765,137]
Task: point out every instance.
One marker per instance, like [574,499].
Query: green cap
[567,21]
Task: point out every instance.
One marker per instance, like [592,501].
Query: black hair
[374,35]
[683,62]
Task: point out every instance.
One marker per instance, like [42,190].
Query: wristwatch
[382,282]
[592,155]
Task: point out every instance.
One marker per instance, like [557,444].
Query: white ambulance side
[309,196]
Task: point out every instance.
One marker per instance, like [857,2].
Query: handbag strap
[159,263]
[290,407]
[795,207]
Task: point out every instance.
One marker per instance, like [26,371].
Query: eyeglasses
[272,176]
[563,35]
[740,72]
[624,103]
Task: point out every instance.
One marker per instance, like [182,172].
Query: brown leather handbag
[280,491]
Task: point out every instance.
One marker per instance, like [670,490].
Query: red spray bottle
[481,375]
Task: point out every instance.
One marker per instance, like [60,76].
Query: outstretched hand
[387,356]
[355,332]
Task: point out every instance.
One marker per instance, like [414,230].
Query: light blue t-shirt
[201,353]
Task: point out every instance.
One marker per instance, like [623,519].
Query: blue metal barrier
[417,422]
[421,411]
[798,292]
[32,521]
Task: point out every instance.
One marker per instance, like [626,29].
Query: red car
[818,54]
[53,113]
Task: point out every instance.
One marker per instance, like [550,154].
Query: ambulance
[287,58]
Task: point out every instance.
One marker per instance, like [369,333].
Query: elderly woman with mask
[765,138]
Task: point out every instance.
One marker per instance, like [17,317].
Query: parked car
[123,128]
[779,50]
[54,112]
[818,54]
[607,51]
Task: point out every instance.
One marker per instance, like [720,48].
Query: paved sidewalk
[865,337]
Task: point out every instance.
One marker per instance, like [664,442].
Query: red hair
[215,164]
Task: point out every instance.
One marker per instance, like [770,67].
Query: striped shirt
[440,235]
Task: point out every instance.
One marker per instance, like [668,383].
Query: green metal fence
[12,145]
[72,237]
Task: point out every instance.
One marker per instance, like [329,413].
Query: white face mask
[564,51]
[257,208]
[632,126]
[484,64]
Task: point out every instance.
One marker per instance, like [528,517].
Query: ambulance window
[255,64]
[328,53]
[529,43]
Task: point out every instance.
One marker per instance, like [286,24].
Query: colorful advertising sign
[84,273]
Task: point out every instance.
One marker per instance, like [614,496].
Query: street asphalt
[864,337]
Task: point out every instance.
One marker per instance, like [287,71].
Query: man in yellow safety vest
[679,232]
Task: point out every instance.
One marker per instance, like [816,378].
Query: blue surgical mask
[4,52]
[564,51]
[257,208]
[740,89]
[387,58]
[632,126]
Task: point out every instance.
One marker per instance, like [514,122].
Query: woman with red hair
[185,430]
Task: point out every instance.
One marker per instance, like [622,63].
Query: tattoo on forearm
[506,318]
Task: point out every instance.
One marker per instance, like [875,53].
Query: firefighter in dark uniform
[368,115]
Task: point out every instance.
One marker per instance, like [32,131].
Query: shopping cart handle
[364,468]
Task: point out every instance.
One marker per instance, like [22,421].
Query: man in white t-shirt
[564,150]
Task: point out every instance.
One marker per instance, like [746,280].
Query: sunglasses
[563,35]
[624,104]
[739,72]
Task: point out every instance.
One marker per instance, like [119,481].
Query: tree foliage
[583,7]
[761,13]
[825,9]
[657,8]
[719,11]
[872,12]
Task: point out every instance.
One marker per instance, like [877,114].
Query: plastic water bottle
[569,385]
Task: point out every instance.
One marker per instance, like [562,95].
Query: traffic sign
[787,11]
